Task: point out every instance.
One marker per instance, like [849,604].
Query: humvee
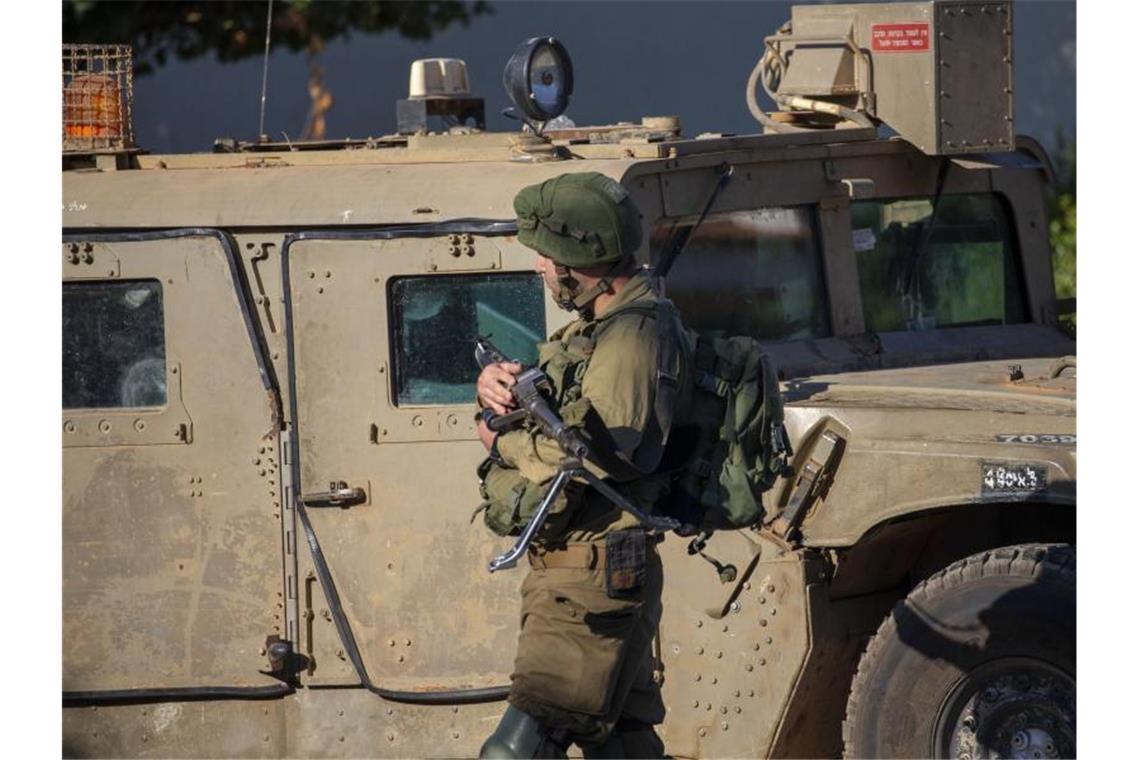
[269,445]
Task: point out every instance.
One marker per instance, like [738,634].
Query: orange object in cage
[92,107]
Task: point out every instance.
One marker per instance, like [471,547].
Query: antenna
[265,69]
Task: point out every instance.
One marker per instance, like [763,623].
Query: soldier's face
[545,267]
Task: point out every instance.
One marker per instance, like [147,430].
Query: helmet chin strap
[570,295]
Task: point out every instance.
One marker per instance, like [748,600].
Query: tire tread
[1030,560]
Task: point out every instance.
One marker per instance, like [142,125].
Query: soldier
[584,669]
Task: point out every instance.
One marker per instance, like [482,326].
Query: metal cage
[97,98]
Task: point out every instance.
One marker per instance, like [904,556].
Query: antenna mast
[265,70]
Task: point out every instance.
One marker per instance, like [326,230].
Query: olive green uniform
[584,661]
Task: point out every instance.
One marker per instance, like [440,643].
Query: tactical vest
[510,499]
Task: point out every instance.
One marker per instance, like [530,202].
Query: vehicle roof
[420,179]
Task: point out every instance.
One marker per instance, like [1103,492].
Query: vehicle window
[436,318]
[967,275]
[114,347]
[755,272]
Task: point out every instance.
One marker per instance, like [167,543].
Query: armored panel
[939,74]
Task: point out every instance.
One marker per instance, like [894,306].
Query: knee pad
[519,735]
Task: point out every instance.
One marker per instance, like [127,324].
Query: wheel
[978,661]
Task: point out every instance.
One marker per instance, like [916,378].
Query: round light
[539,78]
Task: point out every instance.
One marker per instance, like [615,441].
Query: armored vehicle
[269,441]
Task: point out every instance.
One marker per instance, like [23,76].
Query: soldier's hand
[493,386]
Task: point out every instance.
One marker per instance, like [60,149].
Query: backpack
[730,445]
[734,445]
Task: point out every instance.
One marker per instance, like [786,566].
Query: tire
[979,660]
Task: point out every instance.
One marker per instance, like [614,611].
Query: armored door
[381,355]
[172,569]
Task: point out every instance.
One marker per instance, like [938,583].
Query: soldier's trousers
[585,660]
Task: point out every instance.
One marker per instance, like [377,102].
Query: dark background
[631,59]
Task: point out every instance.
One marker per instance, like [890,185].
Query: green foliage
[233,30]
[1063,223]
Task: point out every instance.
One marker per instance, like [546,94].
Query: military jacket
[619,379]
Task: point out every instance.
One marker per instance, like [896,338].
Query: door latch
[338,495]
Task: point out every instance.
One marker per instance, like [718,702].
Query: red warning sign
[900,38]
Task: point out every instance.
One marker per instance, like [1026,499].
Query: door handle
[338,495]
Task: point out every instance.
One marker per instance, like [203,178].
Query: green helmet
[579,220]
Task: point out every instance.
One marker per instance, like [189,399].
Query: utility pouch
[625,563]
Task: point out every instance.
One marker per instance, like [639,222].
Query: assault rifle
[531,391]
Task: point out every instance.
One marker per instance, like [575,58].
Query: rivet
[738,710]
[747,585]
[341,738]
[763,621]
[261,472]
[454,734]
[748,667]
[391,642]
[400,658]
[110,272]
[418,421]
[719,655]
[257,460]
[702,732]
[696,703]
[433,267]
[752,692]
[265,738]
[735,606]
[697,677]
[407,642]
[771,589]
[391,736]
[715,681]
[340,654]
[312,275]
[768,640]
[700,623]
[723,710]
[320,290]
[756,647]
[724,726]
[340,712]
[104,426]
[724,629]
[772,611]
[174,370]
[328,274]
[708,707]
[700,650]
[763,662]
[69,427]
[453,250]
[455,710]
[389,711]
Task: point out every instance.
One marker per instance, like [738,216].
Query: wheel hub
[1013,707]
